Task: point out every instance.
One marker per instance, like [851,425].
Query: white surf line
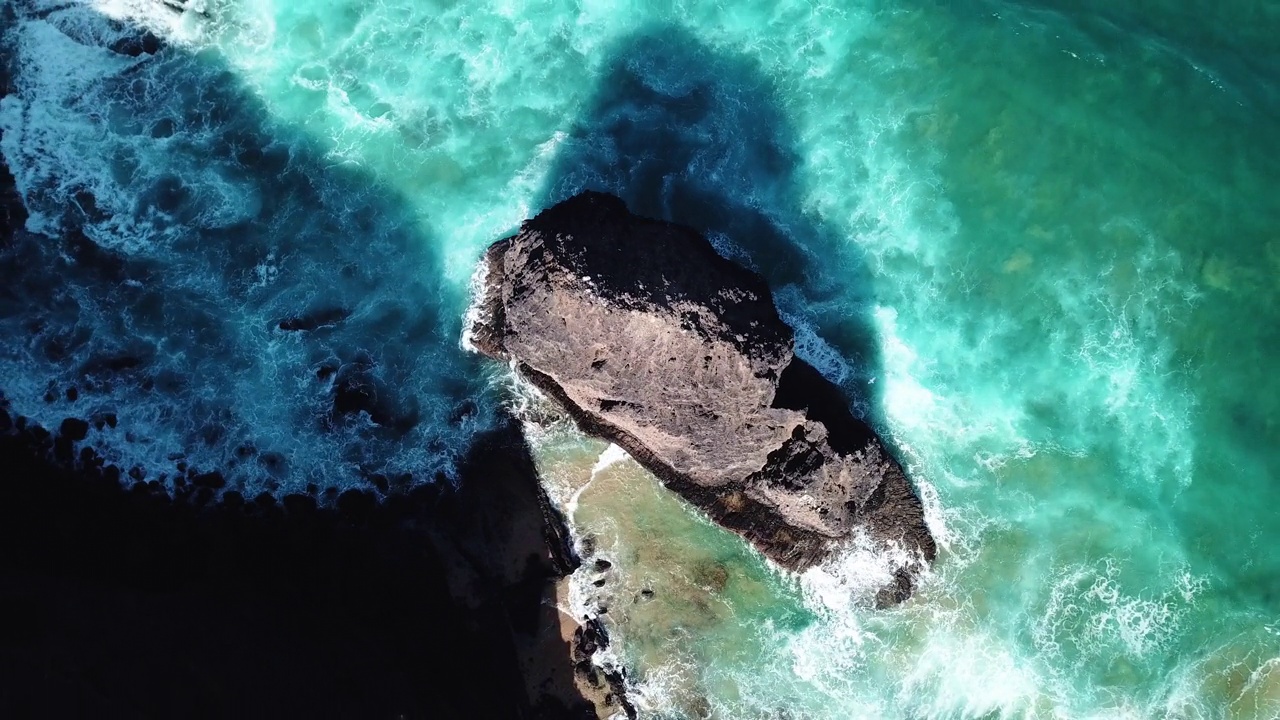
[479,295]
[612,455]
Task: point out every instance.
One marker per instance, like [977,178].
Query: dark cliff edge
[650,339]
[126,602]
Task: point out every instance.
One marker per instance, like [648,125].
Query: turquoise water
[1039,242]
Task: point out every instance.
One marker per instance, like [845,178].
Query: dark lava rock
[212,480]
[356,389]
[13,214]
[144,43]
[652,340]
[74,429]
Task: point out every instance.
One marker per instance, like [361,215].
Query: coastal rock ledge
[653,341]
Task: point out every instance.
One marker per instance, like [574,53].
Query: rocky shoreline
[120,597]
[166,591]
[124,599]
[651,340]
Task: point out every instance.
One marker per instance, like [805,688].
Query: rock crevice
[652,340]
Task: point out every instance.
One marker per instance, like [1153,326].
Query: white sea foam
[809,344]
[612,455]
[727,248]
[962,672]
[1125,351]
[855,574]
[44,144]
[1090,613]
[930,658]
[938,413]
[478,292]
[186,27]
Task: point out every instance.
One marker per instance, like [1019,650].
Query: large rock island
[653,341]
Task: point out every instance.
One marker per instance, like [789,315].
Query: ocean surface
[1039,244]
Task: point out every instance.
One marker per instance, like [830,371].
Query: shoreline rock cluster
[650,339]
[263,602]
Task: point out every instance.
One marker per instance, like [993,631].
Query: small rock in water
[145,43]
[74,429]
[602,565]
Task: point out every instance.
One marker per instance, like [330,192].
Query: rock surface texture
[652,340]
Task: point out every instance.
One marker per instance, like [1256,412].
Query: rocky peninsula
[653,341]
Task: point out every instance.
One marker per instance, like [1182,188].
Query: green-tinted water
[1043,243]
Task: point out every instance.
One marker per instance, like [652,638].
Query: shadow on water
[206,270]
[695,135]
[230,295]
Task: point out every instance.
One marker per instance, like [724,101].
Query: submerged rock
[652,340]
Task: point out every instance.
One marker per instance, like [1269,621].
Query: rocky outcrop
[652,340]
[436,603]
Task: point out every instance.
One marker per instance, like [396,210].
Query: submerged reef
[653,341]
